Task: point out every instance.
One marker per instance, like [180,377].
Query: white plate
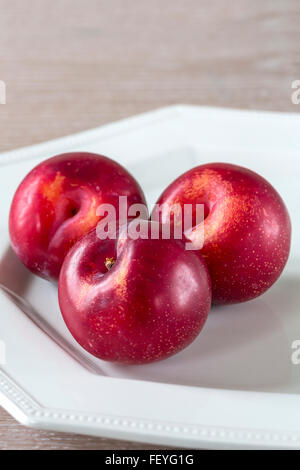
[235,386]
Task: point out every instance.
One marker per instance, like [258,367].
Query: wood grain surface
[70,65]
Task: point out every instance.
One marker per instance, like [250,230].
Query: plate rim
[29,412]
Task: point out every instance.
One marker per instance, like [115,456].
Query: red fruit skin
[152,303]
[56,204]
[247,229]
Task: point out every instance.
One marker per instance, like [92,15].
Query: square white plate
[236,385]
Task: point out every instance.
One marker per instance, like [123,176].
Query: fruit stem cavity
[109,262]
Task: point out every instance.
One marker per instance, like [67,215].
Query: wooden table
[70,65]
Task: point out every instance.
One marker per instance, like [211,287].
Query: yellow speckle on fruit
[53,189]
